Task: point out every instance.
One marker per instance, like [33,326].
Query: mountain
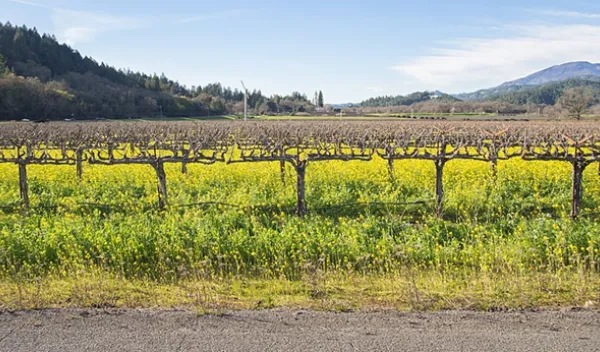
[548,93]
[573,70]
[558,73]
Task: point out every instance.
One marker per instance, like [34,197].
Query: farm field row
[230,237]
[366,117]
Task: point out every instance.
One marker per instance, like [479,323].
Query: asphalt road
[286,330]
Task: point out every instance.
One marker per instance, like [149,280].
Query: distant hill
[547,94]
[558,73]
[580,70]
[417,97]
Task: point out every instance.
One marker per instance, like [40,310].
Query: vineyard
[418,214]
[298,144]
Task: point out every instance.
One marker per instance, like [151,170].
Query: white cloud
[571,14]
[30,3]
[78,34]
[80,26]
[73,26]
[376,90]
[472,63]
[212,16]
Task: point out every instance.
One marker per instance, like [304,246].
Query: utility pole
[245,101]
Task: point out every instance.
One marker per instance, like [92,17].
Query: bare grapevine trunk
[494,168]
[494,161]
[390,163]
[79,164]
[159,167]
[282,170]
[23,187]
[184,169]
[439,187]
[301,172]
[577,188]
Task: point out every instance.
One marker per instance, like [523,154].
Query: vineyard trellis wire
[297,144]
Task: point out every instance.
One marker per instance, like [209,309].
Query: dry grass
[420,291]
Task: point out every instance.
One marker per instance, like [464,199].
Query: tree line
[41,78]
[569,98]
[546,94]
[406,100]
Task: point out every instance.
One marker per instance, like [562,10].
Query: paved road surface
[286,330]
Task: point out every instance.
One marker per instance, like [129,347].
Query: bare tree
[552,112]
[576,101]
[595,110]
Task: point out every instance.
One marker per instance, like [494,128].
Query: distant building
[511,112]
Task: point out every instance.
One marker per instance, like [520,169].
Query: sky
[351,50]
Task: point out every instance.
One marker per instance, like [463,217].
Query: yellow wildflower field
[236,223]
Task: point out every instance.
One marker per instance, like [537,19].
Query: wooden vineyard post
[439,186]
[23,187]
[301,204]
[577,187]
[159,167]
[79,162]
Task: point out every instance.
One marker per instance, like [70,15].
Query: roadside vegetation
[366,242]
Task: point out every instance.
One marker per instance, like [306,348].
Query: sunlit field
[229,237]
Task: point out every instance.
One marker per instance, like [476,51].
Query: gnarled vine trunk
[163,200]
[577,187]
[439,186]
[301,203]
[23,187]
[282,170]
[79,163]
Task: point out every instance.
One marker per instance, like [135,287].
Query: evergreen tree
[217,106]
[3,68]
[320,100]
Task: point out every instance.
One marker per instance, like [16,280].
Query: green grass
[344,118]
[192,118]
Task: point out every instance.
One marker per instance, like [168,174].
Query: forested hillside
[417,97]
[547,94]
[41,78]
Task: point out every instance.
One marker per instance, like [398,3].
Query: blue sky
[351,50]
